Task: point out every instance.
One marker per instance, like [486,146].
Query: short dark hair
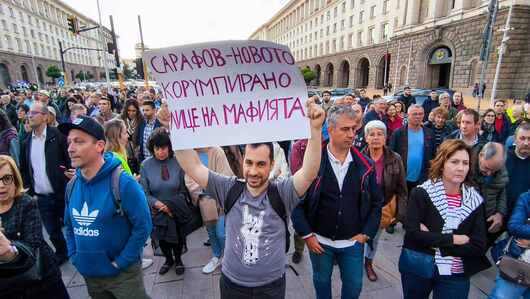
[406,87]
[23,107]
[159,138]
[267,144]
[326,91]
[469,111]
[149,103]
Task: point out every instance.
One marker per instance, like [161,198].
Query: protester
[67,110]
[517,165]
[359,142]
[390,177]
[23,121]
[487,127]
[116,139]
[468,130]
[43,162]
[415,145]
[445,238]
[379,111]
[349,208]
[363,99]
[52,117]
[216,161]
[8,108]
[502,121]
[254,259]
[518,248]
[445,102]
[394,120]
[430,103]
[490,176]
[400,109]
[43,96]
[9,142]
[458,101]
[326,100]
[407,98]
[105,111]
[105,234]
[145,128]
[163,182]
[440,128]
[21,237]
[77,110]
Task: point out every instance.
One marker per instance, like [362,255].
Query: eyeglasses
[33,113]
[7,179]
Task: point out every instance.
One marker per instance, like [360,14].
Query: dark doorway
[329,75]
[24,73]
[4,75]
[318,72]
[363,72]
[344,80]
[439,68]
[382,68]
[40,76]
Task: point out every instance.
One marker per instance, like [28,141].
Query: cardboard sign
[230,92]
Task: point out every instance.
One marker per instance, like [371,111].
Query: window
[40,37]
[385,7]
[352,3]
[334,46]
[32,33]
[327,30]
[351,21]
[350,40]
[335,12]
[370,35]
[334,27]
[37,23]
[1,9]
[361,16]
[19,45]
[343,7]
[9,42]
[341,43]
[372,12]
[328,15]
[360,39]
[29,20]
[316,35]
[385,31]
[15,28]
[11,13]
[21,15]
[322,19]
[28,46]
[36,48]
[327,47]
[4,25]
[24,31]
[342,25]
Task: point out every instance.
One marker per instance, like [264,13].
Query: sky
[178,22]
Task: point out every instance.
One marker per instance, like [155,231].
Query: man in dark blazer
[44,164]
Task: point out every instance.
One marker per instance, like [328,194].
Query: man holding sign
[256,213]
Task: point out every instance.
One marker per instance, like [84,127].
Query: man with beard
[518,164]
[256,234]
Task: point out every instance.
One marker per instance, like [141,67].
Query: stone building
[430,43]
[30,31]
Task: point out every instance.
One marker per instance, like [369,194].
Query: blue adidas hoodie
[95,234]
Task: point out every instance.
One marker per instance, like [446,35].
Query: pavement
[195,285]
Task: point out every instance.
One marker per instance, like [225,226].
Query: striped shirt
[454,202]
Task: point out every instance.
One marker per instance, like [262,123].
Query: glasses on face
[7,179]
[33,113]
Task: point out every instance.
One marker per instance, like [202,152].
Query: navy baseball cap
[85,124]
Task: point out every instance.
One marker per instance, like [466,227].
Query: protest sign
[230,92]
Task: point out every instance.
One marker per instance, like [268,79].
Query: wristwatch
[14,250]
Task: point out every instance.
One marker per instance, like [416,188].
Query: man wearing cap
[105,234]
[44,97]
[43,162]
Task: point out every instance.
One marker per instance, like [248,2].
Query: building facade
[30,32]
[422,43]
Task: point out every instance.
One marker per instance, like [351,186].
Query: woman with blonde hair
[22,246]
[116,138]
[445,238]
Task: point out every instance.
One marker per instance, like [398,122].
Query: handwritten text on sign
[232,92]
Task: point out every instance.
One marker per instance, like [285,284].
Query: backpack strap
[69,188]
[279,207]
[115,186]
[233,195]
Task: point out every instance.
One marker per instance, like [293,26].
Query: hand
[162,208]
[496,222]
[313,245]
[423,228]
[460,239]
[315,113]
[5,248]
[361,238]
[69,173]
[523,243]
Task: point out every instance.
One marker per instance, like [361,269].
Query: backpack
[274,197]
[115,187]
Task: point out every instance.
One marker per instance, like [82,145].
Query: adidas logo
[84,218]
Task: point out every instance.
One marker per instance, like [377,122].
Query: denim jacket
[518,225]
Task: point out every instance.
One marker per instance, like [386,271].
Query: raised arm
[192,166]
[304,177]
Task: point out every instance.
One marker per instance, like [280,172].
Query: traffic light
[73,24]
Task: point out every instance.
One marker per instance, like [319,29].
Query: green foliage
[309,75]
[53,72]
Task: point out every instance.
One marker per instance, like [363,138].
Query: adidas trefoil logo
[84,218]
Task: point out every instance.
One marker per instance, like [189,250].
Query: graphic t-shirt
[255,235]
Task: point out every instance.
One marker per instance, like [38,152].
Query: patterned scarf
[471,200]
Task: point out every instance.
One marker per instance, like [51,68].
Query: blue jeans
[350,260]
[216,233]
[369,253]
[508,290]
[442,286]
[52,214]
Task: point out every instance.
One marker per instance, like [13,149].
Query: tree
[309,75]
[53,72]
[81,76]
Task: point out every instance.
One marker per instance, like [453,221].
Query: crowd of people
[96,170]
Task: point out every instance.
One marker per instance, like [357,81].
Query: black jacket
[56,154]
[420,209]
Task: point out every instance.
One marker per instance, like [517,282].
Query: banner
[230,92]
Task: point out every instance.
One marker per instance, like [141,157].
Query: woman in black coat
[22,230]
[445,239]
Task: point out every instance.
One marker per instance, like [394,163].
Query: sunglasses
[7,179]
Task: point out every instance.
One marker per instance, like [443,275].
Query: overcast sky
[177,22]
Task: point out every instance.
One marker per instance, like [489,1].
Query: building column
[413,12]
[435,9]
